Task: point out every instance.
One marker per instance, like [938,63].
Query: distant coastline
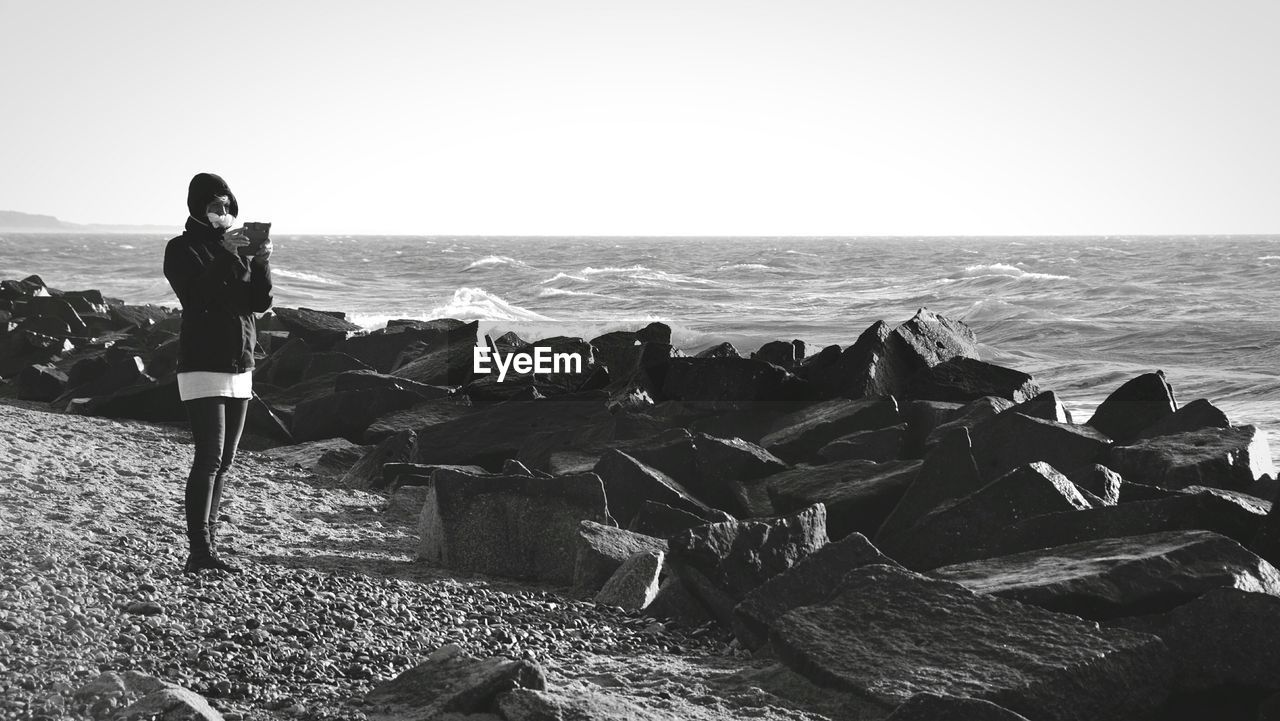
[12,221]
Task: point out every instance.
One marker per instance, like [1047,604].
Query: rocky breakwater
[912,531]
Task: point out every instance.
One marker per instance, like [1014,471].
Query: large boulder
[948,473]
[629,484]
[961,380]
[1099,480]
[876,365]
[1134,406]
[797,436]
[601,550]
[450,682]
[731,379]
[1114,577]
[368,472]
[722,562]
[963,529]
[813,579]
[880,445]
[891,634]
[320,329]
[1194,416]
[1008,440]
[723,467]
[1228,458]
[938,707]
[858,495]
[444,365]
[419,417]
[662,521]
[347,414]
[39,382]
[934,339]
[968,416]
[635,584]
[380,348]
[521,527]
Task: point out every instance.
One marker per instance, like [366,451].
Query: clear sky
[726,117]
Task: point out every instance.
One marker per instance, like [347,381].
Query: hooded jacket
[219,290]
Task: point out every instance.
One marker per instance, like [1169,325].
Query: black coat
[219,292]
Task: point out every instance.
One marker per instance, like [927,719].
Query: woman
[219,290]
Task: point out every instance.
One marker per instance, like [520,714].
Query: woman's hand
[234,240]
[263,254]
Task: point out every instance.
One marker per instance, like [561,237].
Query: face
[220,205]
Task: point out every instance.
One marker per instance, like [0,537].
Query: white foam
[1269,257]
[1011,271]
[303,275]
[746,266]
[495,260]
[564,276]
[552,292]
[640,272]
[480,304]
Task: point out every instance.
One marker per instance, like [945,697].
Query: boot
[202,555]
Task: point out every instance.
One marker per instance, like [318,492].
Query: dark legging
[216,424]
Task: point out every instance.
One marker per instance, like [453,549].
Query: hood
[205,187]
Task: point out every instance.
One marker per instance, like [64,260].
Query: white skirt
[202,384]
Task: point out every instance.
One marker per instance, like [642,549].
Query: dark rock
[721,562]
[1045,406]
[284,367]
[1194,416]
[962,379]
[813,579]
[267,421]
[357,380]
[960,530]
[934,339]
[158,401]
[1114,577]
[601,549]
[517,527]
[448,365]
[1228,637]
[880,445]
[368,473]
[720,350]
[858,495]
[512,467]
[968,416]
[937,707]
[405,504]
[662,521]
[731,379]
[492,434]
[890,631]
[55,308]
[922,418]
[320,329]
[677,603]
[346,414]
[562,448]
[1009,440]
[419,417]
[948,473]
[46,325]
[40,383]
[629,484]
[575,702]
[723,467]
[1100,481]
[450,681]
[1130,491]
[1134,406]
[798,436]
[1234,515]
[1266,540]
[380,348]
[395,475]
[780,353]
[877,365]
[137,316]
[331,363]
[117,371]
[1228,458]
[635,584]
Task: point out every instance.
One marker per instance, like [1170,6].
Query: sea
[1081,314]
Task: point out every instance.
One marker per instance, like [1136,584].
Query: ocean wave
[746,266]
[553,292]
[1269,257]
[303,275]
[480,304]
[1011,271]
[495,260]
[640,272]
[564,276]
[801,252]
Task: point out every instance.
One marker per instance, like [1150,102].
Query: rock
[395,475]
[1227,458]
[418,417]
[175,703]
[937,707]
[780,353]
[58,308]
[1134,406]
[144,608]
[406,503]
[1009,440]
[346,414]
[798,436]
[888,634]
[320,330]
[138,316]
[922,418]
[813,579]
[948,473]
[1266,540]
[153,401]
[114,372]
[968,417]
[490,435]
[635,584]
[662,521]
[730,379]
[1234,515]
[368,473]
[1045,406]
[1228,637]
[876,365]
[356,380]
[332,363]
[512,467]
[578,447]
[880,445]
[1100,481]
[448,365]
[602,549]
[629,484]
[724,466]
[1114,577]
[960,530]
[380,348]
[450,680]
[721,562]
[329,457]
[517,527]
[858,495]
[40,383]
[1194,416]
[675,602]
[575,701]
[720,350]
[961,379]
[935,339]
